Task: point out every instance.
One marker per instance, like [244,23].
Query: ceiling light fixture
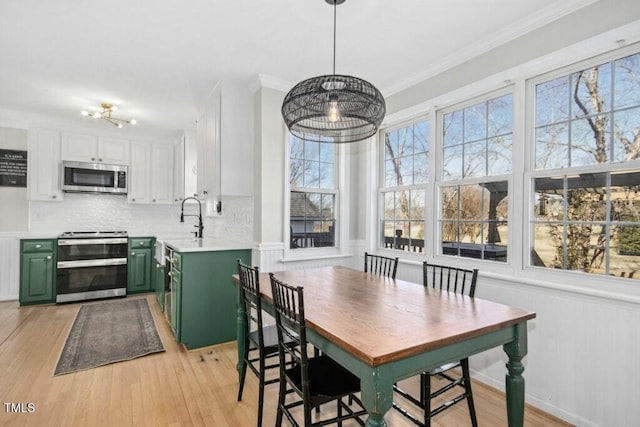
[106,114]
[337,108]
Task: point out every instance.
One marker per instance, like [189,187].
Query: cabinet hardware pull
[133,253]
[141,243]
[38,246]
[49,257]
[93,159]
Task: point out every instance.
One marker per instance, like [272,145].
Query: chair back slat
[451,279]
[380,265]
[288,302]
[251,301]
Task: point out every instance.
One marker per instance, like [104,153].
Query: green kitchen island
[200,304]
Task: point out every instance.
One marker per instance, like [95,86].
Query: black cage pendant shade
[333,108]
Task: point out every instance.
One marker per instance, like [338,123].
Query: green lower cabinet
[139,265]
[158,280]
[176,303]
[37,271]
[203,297]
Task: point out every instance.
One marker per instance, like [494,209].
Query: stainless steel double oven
[91,265]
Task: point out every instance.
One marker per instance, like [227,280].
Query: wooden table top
[380,320]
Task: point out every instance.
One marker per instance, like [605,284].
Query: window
[586,141]
[476,148]
[405,171]
[313,195]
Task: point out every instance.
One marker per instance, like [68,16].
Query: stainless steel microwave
[94,178]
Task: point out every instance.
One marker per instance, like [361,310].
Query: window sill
[620,293]
[312,257]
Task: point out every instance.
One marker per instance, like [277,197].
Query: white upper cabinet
[224,135]
[151,173]
[43,165]
[113,151]
[162,173]
[98,149]
[139,173]
[185,162]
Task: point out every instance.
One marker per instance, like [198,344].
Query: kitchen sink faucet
[182,215]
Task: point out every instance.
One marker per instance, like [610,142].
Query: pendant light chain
[335,7]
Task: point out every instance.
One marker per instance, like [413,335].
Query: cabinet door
[43,163]
[139,271]
[179,170]
[139,173]
[36,278]
[80,148]
[208,170]
[158,280]
[161,173]
[224,142]
[176,300]
[113,151]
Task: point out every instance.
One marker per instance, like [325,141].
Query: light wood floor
[174,388]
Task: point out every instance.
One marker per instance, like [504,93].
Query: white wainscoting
[583,350]
[270,257]
[9,268]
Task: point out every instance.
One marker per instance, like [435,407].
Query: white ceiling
[159,60]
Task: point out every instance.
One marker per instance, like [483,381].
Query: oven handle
[73,242]
[92,262]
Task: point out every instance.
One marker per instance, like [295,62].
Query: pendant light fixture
[333,108]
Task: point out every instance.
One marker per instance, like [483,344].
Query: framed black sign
[13,168]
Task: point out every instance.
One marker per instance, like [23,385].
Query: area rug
[109,332]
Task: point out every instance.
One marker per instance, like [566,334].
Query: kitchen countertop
[200,245]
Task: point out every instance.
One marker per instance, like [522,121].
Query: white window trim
[439,183]
[341,232]
[378,161]
[592,284]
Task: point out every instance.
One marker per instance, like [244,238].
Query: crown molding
[260,81]
[517,29]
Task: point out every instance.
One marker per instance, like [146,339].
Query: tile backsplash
[90,212]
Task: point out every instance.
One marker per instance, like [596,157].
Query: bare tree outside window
[476,145]
[589,221]
[405,166]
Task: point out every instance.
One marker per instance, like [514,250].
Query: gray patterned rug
[109,332]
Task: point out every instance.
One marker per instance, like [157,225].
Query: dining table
[384,330]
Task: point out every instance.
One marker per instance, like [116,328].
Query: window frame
[590,280]
[440,183]
[340,186]
[381,189]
